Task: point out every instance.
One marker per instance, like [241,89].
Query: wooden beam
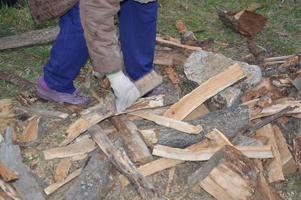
[169,122]
[274,167]
[206,153]
[134,144]
[84,146]
[202,93]
[123,164]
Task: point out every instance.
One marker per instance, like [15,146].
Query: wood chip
[31,131]
[62,170]
[6,174]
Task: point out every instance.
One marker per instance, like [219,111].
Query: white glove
[125,91]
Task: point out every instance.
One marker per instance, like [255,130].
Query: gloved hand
[124,89]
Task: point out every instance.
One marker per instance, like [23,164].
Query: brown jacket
[97,18]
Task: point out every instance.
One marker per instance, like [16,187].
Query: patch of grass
[282,34]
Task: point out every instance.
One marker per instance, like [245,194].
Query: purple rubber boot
[44,92]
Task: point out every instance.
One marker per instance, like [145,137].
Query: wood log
[82,147]
[10,155]
[274,166]
[42,36]
[198,96]
[297,151]
[93,179]
[206,153]
[230,175]
[134,144]
[288,163]
[230,121]
[123,164]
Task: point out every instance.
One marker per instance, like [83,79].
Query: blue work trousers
[137,26]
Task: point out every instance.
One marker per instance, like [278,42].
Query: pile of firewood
[242,148]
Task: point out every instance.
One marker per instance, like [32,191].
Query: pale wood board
[79,148]
[198,96]
[169,122]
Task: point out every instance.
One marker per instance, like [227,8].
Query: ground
[281,36]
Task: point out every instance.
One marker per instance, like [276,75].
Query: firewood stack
[241,150]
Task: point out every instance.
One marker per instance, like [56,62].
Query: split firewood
[31,131]
[219,138]
[30,38]
[297,151]
[160,164]
[10,155]
[123,164]
[134,144]
[43,112]
[202,93]
[106,109]
[7,174]
[9,191]
[62,170]
[288,163]
[197,113]
[230,175]
[161,41]
[82,147]
[169,122]
[274,166]
[206,153]
[54,187]
[93,179]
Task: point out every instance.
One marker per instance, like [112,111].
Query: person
[88,29]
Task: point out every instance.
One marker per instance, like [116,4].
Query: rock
[202,65]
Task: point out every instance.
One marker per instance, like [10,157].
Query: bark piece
[42,36]
[62,170]
[123,164]
[27,184]
[135,146]
[54,187]
[297,151]
[202,93]
[43,112]
[288,163]
[92,180]
[230,175]
[169,122]
[6,174]
[274,167]
[84,146]
[31,131]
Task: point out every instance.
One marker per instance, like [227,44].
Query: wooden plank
[274,167]
[134,144]
[123,164]
[31,131]
[169,122]
[82,147]
[288,163]
[202,93]
[206,153]
[52,188]
[62,170]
